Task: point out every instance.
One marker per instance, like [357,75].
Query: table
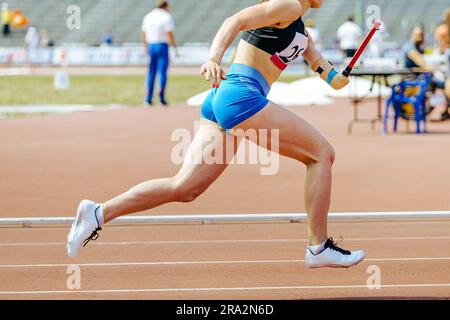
[376,74]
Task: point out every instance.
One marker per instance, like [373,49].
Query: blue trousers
[159,64]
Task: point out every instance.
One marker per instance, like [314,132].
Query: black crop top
[285,45]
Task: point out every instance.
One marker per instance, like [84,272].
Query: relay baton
[375,28]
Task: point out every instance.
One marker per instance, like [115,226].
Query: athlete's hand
[339,81]
[327,72]
[212,71]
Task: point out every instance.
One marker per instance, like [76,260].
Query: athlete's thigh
[297,138]
[208,156]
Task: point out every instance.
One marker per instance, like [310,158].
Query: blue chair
[412,94]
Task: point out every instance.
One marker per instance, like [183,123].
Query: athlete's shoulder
[294,5]
[291,7]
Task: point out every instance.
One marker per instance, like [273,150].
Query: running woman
[273,36]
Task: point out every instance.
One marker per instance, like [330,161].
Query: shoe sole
[336,265]
[76,222]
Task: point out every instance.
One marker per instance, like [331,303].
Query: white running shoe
[333,256]
[84,228]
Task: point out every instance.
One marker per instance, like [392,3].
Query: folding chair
[408,100]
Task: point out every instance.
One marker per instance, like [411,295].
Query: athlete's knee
[185,191]
[189,194]
[330,154]
[325,154]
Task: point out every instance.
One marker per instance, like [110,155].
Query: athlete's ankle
[317,248]
[316,240]
[107,212]
[100,215]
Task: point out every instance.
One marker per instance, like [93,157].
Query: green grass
[96,90]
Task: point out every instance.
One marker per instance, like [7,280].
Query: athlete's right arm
[323,67]
[254,17]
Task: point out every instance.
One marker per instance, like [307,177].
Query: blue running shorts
[238,98]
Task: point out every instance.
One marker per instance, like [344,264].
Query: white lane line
[175,263]
[156,242]
[390,286]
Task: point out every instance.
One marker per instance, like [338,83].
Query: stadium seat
[198,20]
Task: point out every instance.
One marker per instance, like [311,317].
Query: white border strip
[206,242]
[206,262]
[210,218]
[387,286]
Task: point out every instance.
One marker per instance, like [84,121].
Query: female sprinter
[273,36]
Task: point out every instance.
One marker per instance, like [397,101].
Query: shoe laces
[94,235]
[333,245]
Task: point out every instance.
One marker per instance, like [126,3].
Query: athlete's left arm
[323,67]
[257,16]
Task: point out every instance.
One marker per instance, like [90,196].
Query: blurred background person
[313,32]
[311,29]
[376,46]
[157,35]
[32,42]
[349,36]
[107,39]
[46,42]
[6,20]
[32,38]
[414,55]
[44,39]
[18,20]
[414,50]
[442,37]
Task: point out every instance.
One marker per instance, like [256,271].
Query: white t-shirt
[314,33]
[349,35]
[315,36]
[156,24]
